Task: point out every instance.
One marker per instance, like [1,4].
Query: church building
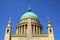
[29,28]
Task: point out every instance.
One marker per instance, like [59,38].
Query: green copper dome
[29,14]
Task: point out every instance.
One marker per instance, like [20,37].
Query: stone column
[36,30]
[19,30]
[24,29]
[39,29]
[33,29]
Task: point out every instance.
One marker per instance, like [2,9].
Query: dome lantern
[29,9]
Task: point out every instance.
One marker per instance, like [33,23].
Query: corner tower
[50,30]
[8,31]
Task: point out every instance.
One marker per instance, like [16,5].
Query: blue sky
[42,8]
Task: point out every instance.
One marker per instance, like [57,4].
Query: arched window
[7,30]
[50,30]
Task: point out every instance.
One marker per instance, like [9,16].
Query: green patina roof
[29,14]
